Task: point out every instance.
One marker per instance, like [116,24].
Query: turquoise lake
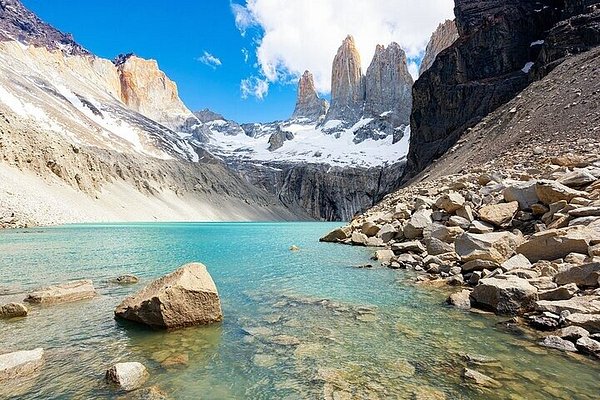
[351,333]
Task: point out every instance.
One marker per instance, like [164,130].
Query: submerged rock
[126,279]
[20,363]
[67,292]
[185,297]
[127,376]
[555,342]
[480,379]
[12,310]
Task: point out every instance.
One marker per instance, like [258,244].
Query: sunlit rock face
[308,103]
[443,37]
[347,85]
[388,84]
[147,90]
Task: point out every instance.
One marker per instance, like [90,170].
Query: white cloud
[245,54]
[305,34]
[243,18]
[254,86]
[210,60]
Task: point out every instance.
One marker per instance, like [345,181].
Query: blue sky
[281,38]
[175,33]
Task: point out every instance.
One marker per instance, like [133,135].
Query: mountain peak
[308,103]
[17,23]
[347,86]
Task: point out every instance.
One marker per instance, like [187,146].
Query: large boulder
[587,275]
[67,292]
[506,295]
[127,376]
[551,191]
[20,363]
[522,192]
[499,214]
[558,243]
[496,246]
[450,202]
[417,223]
[12,310]
[185,297]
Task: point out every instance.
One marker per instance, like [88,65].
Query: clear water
[362,333]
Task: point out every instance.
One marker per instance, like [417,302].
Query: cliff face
[147,90]
[388,85]
[19,24]
[443,37]
[495,58]
[308,103]
[347,85]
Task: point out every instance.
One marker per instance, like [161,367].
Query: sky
[242,58]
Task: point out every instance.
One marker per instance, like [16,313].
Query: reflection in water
[298,325]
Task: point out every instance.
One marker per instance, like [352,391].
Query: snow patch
[527,67]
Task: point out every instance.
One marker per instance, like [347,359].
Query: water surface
[298,325]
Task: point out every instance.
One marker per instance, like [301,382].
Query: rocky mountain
[308,103]
[79,142]
[147,90]
[330,163]
[503,46]
[443,37]
[19,24]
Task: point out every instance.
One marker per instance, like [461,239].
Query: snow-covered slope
[303,141]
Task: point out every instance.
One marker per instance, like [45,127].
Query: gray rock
[551,191]
[455,220]
[308,103]
[479,265]
[522,192]
[583,212]
[587,345]
[480,227]
[185,297]
[127,376]
[436,247]
[555,342]
[359,238]
[582,304]
[413,246]
[518,261]
[571,333]
[20,363]
[577,178]
[384,255]
[508,296]
[417,223]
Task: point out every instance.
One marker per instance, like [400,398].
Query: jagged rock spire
[388,84]
[308,103]
[347,85]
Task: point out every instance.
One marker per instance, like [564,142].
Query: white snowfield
[310,144]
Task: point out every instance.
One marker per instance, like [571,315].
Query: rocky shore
[520,241]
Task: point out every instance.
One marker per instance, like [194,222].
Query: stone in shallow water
[127,376]
[13,310]
[285,340]
[264,360]
[185,297]
[126,279]
[67,292]
[177,360]
[20,363]
[151,393]
[507,296]
[555,342]
[480,379]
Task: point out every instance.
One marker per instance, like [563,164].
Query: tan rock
[185,297]
[496,246]
[384,255]
[551,191]
[20,363]
[67,292]
[587,275]
[450,202]
[560,293]
[590,322]
[522,192]
[499,214]
[480,379]
[507,295]
[518,261]
[557,243]
[335,235]
[460,300]
[12,310]
[581,304]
